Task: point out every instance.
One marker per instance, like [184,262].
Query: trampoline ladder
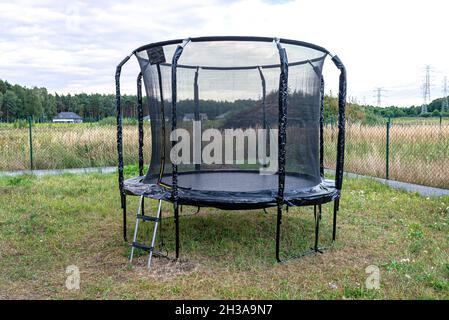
[145,218]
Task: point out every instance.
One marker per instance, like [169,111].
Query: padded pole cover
[140,120]
[282,139]
[341,123]
[119,124]
[322,128]
[175,59]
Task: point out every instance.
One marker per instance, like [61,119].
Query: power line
[426,90]
[379,91]
[445,105]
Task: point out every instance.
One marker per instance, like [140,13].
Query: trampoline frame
[283,84]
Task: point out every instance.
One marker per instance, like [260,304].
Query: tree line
[18,102]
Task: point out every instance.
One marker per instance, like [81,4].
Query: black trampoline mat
[238,181]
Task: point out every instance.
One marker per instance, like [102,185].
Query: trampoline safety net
[227,114]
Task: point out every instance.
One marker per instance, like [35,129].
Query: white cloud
[75,47]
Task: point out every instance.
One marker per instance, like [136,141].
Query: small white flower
[408,277]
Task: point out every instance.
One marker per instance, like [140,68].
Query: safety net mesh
[227,107]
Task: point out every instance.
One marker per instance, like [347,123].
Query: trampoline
[236,123]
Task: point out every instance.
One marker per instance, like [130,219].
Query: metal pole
[278,231]
[387,153]
[120,141]
[30,124]
[322,128]
[136,229]
[140,121]
[317,225]
[158,216]
[174,64]
[264,95]
[341,122]
[176,214]
[196,101]
[282,138]
[334,225]
[264,107]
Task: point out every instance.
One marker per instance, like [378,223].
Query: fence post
[30,124]
[387,153]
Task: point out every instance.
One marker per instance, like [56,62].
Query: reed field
[68,146]
[419,152]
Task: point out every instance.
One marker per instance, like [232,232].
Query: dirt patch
[163,269]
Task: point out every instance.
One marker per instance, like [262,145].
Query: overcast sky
[75,46]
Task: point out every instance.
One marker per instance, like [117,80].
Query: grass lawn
[422,120]
[49,223]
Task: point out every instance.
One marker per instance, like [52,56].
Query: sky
[74,46]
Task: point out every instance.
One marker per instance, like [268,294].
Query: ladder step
[147,218]
[142,246]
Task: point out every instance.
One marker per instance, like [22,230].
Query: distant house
[191,117]
[223,116]
[68,117]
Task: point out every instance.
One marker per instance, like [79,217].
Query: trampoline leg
[176,213]
[278,231]
[317,226]
[334,227]
[123,199]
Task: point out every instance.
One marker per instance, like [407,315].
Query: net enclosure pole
[30,136]
[322,127]
[197,110]
[140,121]
[161,95]
[264,95]
[342,87]
[283,93]
[341,122]
[120,140]
[387,151]
[163,137]
[176,56]
[264,107]
[140,126]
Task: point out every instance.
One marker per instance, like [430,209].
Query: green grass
[421,120]
[49,223]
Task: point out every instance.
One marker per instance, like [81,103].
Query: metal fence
[26,145]
[414,152]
